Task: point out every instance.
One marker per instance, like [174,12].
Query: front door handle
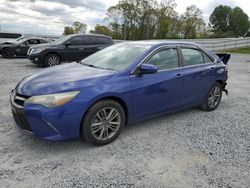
[99,48]
[81,48]
[178,75]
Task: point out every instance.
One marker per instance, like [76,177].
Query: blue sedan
[121,84]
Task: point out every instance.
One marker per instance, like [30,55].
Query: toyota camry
[121,84]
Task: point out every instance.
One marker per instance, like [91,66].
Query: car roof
[161,42]
[95,35]
[158,43]
[28,38]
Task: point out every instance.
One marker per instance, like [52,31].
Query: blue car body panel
[156,93]
[141,96]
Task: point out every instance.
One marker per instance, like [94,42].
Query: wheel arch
[53,52]
[4,48]
[117,99]
[222,83]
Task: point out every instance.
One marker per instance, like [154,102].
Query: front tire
[8,53]
[213,98]
[103,122]
[52,60]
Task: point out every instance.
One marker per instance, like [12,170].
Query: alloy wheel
[53,60]
[214,97]
[105,123]
[9,53]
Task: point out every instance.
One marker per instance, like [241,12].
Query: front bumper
[36,59]
[53,124]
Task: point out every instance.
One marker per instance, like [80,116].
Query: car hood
[62,78]
[46,45]
[7,44]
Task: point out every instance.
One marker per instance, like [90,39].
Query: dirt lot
[191,148]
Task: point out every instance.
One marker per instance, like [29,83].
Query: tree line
[151,19]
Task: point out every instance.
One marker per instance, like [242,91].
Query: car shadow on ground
[35,66]
[1,57]
[38,145]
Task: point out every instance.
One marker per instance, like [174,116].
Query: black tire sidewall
[48,56]
[86,125]
[4,53]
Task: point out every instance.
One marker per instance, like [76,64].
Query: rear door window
[103,40]
[76,41]
[90,40]
[192,56]
[42,41]
[207,59]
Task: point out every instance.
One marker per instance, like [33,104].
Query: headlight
[36,51]
[53,100]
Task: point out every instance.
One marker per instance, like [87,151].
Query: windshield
[20,38]
[61,39]
[20,41]
[116,57]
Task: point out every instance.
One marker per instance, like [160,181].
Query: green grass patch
[243,50]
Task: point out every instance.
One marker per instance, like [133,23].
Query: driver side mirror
[68,44]
[146,69]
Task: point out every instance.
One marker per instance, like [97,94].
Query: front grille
[20,99]
[17,102]
[20,120]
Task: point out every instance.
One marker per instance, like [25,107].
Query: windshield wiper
[89,65]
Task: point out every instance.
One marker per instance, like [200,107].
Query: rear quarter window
[93,40]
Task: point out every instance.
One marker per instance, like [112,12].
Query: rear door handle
[81,48]
[212,68]
[178,75]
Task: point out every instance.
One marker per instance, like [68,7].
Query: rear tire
[8,53]
[103,122]
[213,98]
[52,60]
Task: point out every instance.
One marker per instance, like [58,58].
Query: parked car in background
[20,46]
[9,35]
[68,48]
[123,83]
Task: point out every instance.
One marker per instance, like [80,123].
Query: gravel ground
[191,148]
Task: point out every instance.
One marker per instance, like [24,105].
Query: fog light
[36,59]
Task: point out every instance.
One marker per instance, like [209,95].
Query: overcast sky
[50,16]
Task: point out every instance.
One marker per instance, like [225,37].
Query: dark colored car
[19,47]
[120,84]
[68,48]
